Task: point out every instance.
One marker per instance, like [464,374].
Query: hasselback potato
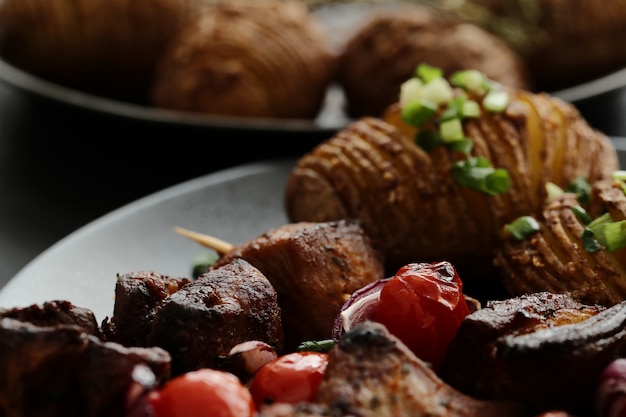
[407,197]
[104,47]
[392,41]
[562,256]
[268,59]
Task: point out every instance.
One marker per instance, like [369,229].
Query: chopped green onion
[428,73]
[316,345]
[496,101]
[464,146]
[478,174]
[203,262]
[581,188]
[604,232]
[418,112]
[470,109]
[611,235]
[619,175]
[451,130]
[590,243]
[582,215]
[522,227]
[470,80]
[410,90]
[603,219]
[437,91]
[553,191]
[428,139]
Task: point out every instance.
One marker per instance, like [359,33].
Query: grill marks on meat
[371,373]
[55,366]
[200,323]
[543,349]
[313,267]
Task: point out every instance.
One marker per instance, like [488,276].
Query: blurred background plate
[600,99]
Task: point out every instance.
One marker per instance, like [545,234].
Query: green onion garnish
[590,243]
[203,262]
[581,188]
[451,130]
[464,146]
[619,175]
[553,191]
[496,101]
[317,345]
[478,174]
[582,215]
[608,233]
[470,80]
[522,227]
[428,73]
[428,139]
[418,112]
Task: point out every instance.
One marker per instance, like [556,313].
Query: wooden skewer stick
[214,243]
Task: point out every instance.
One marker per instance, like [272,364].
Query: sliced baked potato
[407,197]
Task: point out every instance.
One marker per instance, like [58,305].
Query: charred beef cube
[56,313]
[544,349]
[200,323]
[314,268]
[371,373]
[62,371]
[136,295]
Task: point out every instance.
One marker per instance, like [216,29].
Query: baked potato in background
[104,47]
[407,199]
[268,59]
[564,43]
[388,45]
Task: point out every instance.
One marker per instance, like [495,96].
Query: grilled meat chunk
[55,313]
[314,267]
[137,294]
[545,350]
[60,370]
[372,373]
[201,322]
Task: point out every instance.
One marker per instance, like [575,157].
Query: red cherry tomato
[203,393]
[290,378]
[423,305]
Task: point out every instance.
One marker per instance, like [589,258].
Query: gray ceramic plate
[234,205]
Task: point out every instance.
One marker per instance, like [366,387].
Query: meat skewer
[220,246]
[314,268]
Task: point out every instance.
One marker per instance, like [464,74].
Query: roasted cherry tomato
[423,305]
[290,378]
[203,393]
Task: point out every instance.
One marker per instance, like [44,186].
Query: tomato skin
[290,378]
[203,393]
[423,305]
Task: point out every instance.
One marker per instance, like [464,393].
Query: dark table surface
[62,167]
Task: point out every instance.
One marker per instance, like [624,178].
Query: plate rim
[30,83]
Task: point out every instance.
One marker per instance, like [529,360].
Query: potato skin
[566,42]
[555,259]
[385,50]
[104,47]
[263,59]
[407,199]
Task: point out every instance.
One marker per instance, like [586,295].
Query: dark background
[62,166]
